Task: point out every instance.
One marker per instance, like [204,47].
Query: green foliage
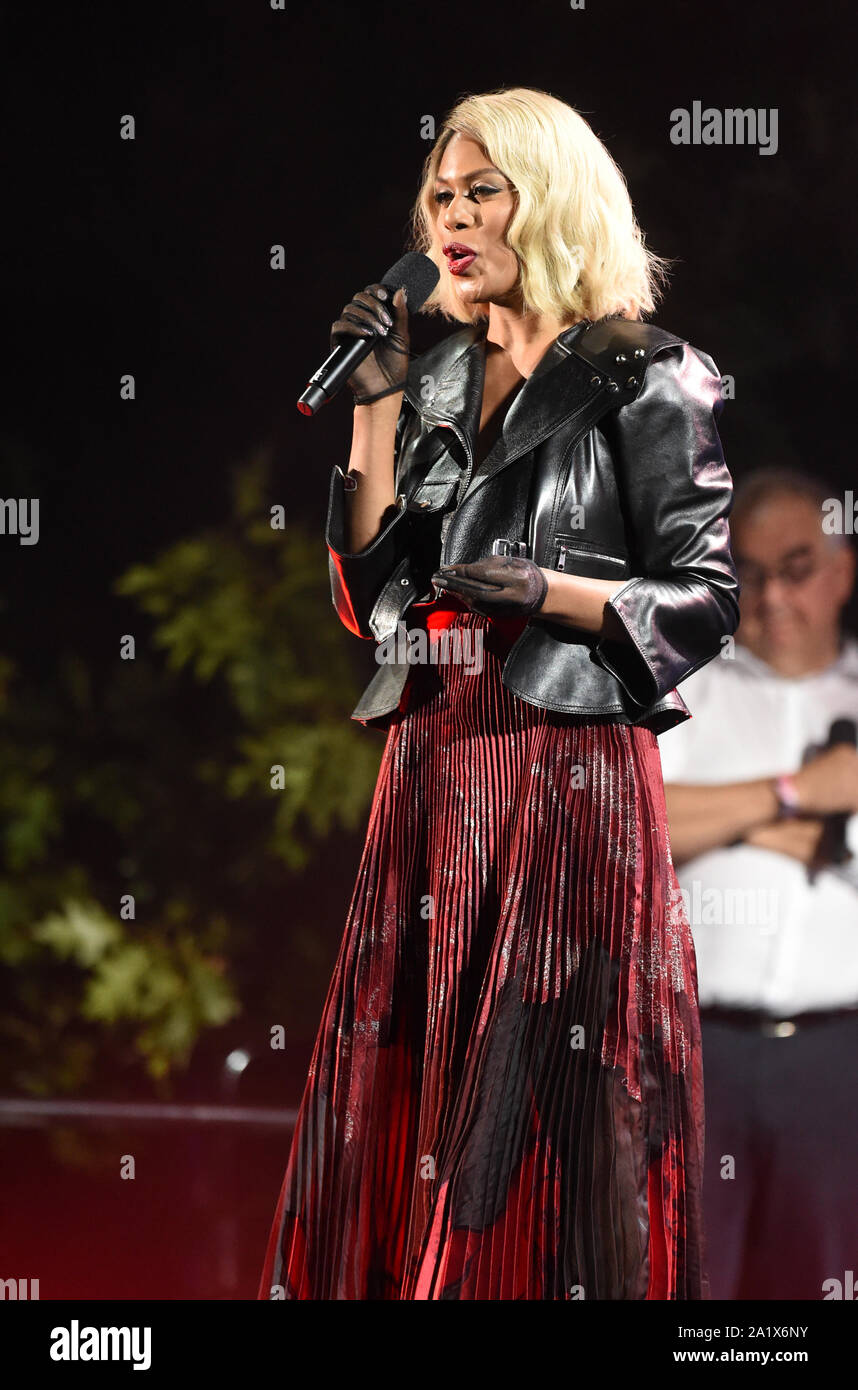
[169,987]
[140,803]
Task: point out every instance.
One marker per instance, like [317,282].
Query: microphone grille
[417,273]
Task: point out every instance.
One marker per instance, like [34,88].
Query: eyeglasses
[754,578]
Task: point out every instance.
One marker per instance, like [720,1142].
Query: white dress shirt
[765,936]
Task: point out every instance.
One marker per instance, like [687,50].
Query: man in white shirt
[761,787]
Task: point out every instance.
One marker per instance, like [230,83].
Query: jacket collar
[445,387]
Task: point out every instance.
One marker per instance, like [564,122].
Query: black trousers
[780,1189]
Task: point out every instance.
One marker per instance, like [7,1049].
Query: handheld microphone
[833,848]
[843,731]
[419,275]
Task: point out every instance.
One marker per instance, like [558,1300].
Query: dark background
[303,127]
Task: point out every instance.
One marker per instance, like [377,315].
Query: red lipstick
[459,256]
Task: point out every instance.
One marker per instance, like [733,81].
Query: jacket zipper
[586,550]
[448,424]
[569,543]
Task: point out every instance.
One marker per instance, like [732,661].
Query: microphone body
[841,731]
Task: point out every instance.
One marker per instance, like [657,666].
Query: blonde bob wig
[580,251]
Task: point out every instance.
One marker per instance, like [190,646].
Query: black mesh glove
[501,586]
[376,313]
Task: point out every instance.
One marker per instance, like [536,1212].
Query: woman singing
[505,1098]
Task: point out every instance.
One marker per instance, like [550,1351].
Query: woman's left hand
[501,586]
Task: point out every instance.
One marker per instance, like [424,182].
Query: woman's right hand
[375,313]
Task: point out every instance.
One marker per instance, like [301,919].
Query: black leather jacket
[609,465]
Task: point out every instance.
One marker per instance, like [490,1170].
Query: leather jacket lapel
[445,386]
[449,391]
[559,389]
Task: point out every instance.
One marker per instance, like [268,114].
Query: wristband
[786,792]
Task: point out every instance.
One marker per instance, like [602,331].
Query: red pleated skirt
[505,1099]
